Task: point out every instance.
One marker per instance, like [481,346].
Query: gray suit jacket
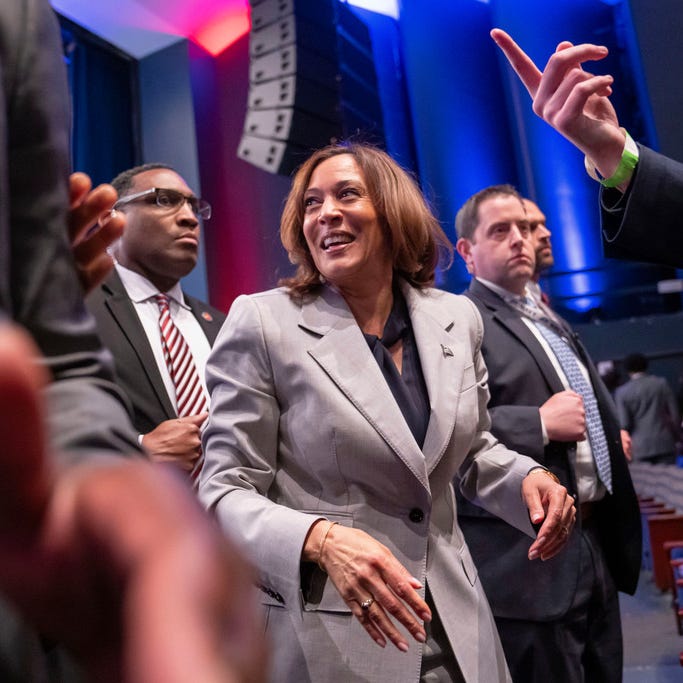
[304,426]
[38,284]
[648,411]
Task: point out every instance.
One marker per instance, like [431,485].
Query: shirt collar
[503,293]
[140,289]
[397,324]
[533,289]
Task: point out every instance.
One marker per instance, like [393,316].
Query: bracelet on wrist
[322,544]
[624,171]
[545,471]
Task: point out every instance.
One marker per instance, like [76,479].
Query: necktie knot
[161,300]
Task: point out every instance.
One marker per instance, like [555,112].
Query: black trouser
[584,646]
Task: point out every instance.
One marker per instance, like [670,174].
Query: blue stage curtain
[103,86]
[462,134]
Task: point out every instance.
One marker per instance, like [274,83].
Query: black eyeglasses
[170,199]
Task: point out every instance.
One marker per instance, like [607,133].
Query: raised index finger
[519,60]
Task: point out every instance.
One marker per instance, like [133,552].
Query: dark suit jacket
[521,379]
[646,224]
[136,368]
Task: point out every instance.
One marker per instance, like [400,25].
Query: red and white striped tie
[189,392]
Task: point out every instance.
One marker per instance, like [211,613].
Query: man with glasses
[143,330]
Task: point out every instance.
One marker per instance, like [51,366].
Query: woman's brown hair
[417,241]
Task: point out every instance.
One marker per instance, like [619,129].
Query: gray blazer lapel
[442,359]
[343,353]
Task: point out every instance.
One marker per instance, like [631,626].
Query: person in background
[157,346]
[543,248]
[648,412]
[561,621]
[342,406]
[99,550]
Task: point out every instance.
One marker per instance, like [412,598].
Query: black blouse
[408,387]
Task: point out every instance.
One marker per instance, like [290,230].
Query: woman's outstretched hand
[372,582]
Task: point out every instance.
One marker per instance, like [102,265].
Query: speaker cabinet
[312,82]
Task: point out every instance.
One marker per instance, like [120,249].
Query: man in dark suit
[648,412]
[159,246]
[559,619]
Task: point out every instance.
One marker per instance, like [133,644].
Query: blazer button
[416,515]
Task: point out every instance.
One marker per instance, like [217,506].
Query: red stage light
[222,30]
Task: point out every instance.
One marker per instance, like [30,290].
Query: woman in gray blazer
[342,406]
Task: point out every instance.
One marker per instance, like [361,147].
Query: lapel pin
[207,316]
[446,351]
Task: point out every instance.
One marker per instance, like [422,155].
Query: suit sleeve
[39,288]
[241,451]
[520,427]
[491,475]
[672,409]
[646,223]
[623,412]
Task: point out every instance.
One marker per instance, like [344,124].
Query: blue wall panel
[461,129]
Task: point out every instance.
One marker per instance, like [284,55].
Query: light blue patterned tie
[577,381]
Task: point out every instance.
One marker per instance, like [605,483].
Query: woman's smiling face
[341,226]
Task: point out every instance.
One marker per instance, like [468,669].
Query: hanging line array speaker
[312,82]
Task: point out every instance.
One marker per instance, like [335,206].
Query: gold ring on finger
[366,604]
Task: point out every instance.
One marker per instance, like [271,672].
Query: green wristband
[629,159]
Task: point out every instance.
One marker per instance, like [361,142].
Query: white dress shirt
[141,292]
